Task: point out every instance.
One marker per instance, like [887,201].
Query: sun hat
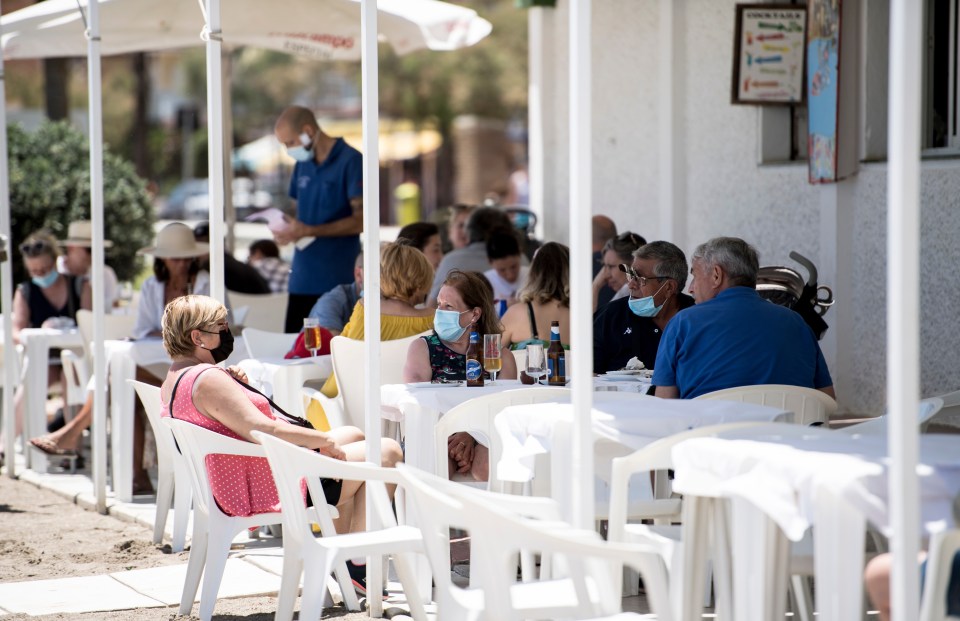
[175,241]
[80,233]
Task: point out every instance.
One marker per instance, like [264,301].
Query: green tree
[50,187]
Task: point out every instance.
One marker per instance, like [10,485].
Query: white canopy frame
[448,27]
[6,287]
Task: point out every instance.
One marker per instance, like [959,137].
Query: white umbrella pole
[6,289]
[903,300]
[215,114]
[370,106]
[581,328]
[97,220]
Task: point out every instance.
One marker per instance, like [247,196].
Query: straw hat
[175,241]
[80,233]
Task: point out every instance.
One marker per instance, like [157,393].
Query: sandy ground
[44,536]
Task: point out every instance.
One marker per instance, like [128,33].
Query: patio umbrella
[320,29]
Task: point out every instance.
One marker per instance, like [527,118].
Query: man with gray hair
[632,326]
[733,337]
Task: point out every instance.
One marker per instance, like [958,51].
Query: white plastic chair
[173,477]
[665,538]
[878,425]
[476,416]
[810,406]
[503,525]
[267,344]
[317,557]
[265,311]
[943,546]
[213,530]
[348,367]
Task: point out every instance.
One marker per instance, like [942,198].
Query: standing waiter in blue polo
[327,189]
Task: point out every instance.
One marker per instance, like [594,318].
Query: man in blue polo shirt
[327,189]
[733,337]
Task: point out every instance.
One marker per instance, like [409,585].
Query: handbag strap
[293,419]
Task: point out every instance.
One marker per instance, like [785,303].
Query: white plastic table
[282,380]
[802,477]
[530,430]
[36,344]
[418,407]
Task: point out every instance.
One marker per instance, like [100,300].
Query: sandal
[48,446]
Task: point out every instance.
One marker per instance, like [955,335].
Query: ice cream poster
[823,83]
[769,52]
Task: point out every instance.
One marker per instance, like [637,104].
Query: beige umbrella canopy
[321,29]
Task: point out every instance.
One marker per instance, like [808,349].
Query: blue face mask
[45,281]
[300,153]
[447,325]
[644,307]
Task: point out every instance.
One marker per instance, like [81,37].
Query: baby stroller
[786,287]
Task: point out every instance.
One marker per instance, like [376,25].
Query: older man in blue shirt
[733,337]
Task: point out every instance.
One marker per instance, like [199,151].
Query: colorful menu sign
[769,49]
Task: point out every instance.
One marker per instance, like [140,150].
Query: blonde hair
[405,274]
[549,276]
[185,314]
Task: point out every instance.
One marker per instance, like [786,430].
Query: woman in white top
[176,272]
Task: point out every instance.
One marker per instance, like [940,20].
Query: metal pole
[903,309]
[581,329]
[6,289]
[370,105]
[215,147]
[97,221]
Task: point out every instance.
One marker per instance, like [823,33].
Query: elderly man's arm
[828,390]
[667,392]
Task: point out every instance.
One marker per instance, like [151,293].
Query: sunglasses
[35,248]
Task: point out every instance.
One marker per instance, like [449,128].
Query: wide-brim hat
[175,241]
[80,233]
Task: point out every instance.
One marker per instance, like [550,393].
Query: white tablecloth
[419,406]
[36,345]
[527,431]
[282,380]
[804,477]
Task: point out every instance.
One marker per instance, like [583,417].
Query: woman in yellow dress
[405,280]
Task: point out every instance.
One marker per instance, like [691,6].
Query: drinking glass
[491,355]
[536,361]
[311,334]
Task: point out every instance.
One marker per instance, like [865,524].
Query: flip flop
[47,446]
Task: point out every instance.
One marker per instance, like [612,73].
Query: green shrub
[50,187]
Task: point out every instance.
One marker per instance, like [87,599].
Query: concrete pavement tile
[165,584]
[72,595]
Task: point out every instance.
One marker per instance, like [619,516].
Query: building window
[939,128]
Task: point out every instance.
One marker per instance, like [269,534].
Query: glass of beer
[491,355]
[311,334]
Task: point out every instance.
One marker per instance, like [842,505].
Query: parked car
[190,199]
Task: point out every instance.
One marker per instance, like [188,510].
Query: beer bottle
[556,357]
[474,363]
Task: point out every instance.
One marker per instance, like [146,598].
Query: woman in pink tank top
[196,336]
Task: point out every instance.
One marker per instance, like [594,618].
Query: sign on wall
[769,44]
[823,88]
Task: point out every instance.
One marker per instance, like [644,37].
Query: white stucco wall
[726,192]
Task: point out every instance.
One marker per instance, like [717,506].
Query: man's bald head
[603,229]
[296,119]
